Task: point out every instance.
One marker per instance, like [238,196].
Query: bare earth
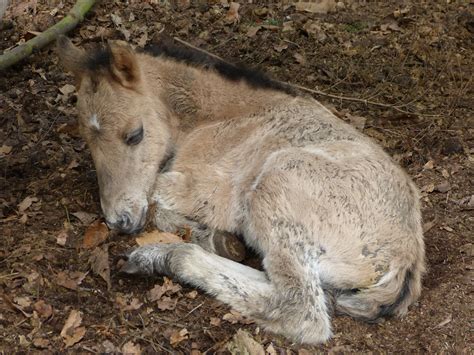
[416,57]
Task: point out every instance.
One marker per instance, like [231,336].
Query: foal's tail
[392,295]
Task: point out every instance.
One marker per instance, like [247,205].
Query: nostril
[125,221]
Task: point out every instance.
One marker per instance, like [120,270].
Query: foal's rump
[361,219]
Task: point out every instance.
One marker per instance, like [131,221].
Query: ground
[415,59]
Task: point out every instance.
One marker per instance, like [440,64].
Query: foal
[335,220]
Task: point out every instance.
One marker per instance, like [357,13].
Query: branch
[316,92]
[74,16]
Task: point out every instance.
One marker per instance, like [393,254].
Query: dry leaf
[300,59]
[270,350]
[443,187]
[447,320]
[99,262]
[216,322]
[280,47]
[316,7]
[40,343]
[86,218]
[5,149]
[356,121]
[26,203]
[23,302]
[61,239]
[192,295]
[71,280]
[428,188]
[125,305]
[168,288]
[429,165]
[155,237]
[252,31]
[234,317]
[232,15]
[67,89]
[288,26]
[72,332]
[167,303]
[95,234]
[43,309]
[178,336]
[243,343]
[129,348]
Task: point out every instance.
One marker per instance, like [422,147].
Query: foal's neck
[196,96]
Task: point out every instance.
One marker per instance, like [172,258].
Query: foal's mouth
[126,225]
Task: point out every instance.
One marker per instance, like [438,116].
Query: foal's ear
[124,66]
[70,56]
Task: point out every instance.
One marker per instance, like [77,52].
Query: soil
[414,57]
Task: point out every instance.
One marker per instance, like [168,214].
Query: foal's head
[123,126]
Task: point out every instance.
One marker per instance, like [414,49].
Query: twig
[315,92]
[74,16]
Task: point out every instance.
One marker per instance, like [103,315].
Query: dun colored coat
[335,220]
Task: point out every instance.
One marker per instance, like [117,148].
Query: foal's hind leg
[288,300]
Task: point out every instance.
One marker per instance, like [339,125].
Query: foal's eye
[134,137]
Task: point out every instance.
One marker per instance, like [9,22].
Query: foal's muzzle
[127,224]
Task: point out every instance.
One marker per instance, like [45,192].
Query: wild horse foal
[335,220]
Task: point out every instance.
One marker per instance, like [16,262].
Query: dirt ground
[414,57]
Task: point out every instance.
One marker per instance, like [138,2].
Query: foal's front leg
[171,186]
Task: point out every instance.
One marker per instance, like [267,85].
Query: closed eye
[134,137]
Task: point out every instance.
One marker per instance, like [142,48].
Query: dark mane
[101,58]
[233,72]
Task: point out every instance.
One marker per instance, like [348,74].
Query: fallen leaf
[428,225]
[235,317]
[23,219]
[86,218]
[252,31]
[70,281]
[22,341]
[167,303]
[23,302]
[443,187]
[99,262]
[270,350]
[125,305]
[26,203]
[178,336]
[72,332]
[158,291]
[428,188]
[243,343]
[62,237]
[232,15]
[216,322]
[280,47]
[155,237]
[67,89]
[41,343]
[316,7]
[96,233]
[300,59]
[429,165]
[288,26]
[130,348]
[5,149]
[192,295]
[43,309]
[356,121]
[447,320]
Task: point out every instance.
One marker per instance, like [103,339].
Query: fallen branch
[76,15]
[316,92]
